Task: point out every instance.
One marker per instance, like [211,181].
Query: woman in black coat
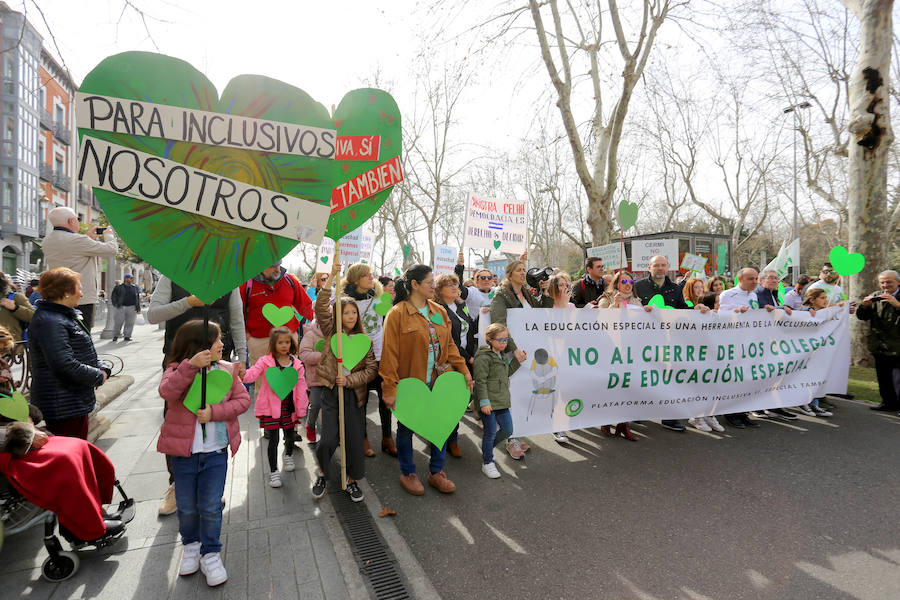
[462,329]
[64,366]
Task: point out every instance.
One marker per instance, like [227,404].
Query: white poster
[495,223]
[644,250]
[603,366]
[612,255]
[366,247]
[350,251]
[445,258]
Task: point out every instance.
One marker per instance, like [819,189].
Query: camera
[100,230]
[535,276]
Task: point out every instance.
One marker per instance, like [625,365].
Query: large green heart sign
[846,263]
[218,384]
[432,413]
[282,381]
[354,348]
[628,213]
[14,407]
[213,189]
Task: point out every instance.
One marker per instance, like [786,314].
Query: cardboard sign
[612,255]
[364,185]
[366,247]
[693,262]
[351,251]
[358,147]
[496,224]
[445,258]
[644,250]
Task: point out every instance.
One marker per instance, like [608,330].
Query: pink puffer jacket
[308,353]
[268,404]
[177,433]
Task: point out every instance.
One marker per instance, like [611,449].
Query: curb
[105,394]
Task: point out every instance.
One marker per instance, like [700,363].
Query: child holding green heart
[200,462]
[281,401]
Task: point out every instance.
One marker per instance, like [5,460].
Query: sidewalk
[278,543]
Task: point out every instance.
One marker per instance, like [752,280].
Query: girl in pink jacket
[280,410]
[200,454]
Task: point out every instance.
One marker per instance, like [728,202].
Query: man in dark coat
[882,311]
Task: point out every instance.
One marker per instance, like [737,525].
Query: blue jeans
[492,436]
[405,452]
[199,485]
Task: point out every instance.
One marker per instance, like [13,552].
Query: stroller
[18,514]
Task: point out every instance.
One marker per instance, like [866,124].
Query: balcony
[62,133]
[46,172]
[61,181]
[46,119]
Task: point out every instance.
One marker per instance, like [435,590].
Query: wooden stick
[338,326]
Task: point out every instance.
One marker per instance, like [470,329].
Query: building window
[58,166]
[60,114]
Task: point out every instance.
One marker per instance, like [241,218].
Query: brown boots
[368,449]
[622,429]
[388,446]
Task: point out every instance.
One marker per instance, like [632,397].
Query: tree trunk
[870,138]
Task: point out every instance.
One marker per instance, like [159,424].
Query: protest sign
[589,367]
[644,250]
[445,258]
[366,246]
[496,224]
[612,255]
[351,251]
[693,262]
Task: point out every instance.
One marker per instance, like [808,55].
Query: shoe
[735,421]
[411,484]
[625,431]
[190,559]
[289,463]
[700,423]
[821,412]
[388,446]
[212,567]
[368,449]
[714,424]
[311,434]
[746,420]
[784,414]
[827,405]
[115,338]
[128,339]
[355,493]
[760,414]
[440,482]
[266,433]
[605,431]
[673,425]
[113,527]
[275,479]
[514,450]
[168,506]
[806,409]
[318,487]
[560,437]
[884,407]
[490,470]
[453,450]
[525,446]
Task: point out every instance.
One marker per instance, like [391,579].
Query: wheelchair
[18,514]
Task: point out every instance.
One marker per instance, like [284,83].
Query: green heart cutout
[218,383]
[207,256]
[432,413]
[437,319]
[384,304]
[398,271]
[689,303]
[846,263]
[491,295]
[658,302]
[14,407]
[324,259]
[497,244]
[320,345]
[628,213]
[406,250]
[282,381]
[277,316]
[355,348]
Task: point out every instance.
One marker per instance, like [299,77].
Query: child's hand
[204,415]
[201,359]
[486,410]
[340,380]
[520,355]
[470,382]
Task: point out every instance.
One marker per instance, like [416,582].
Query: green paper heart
[355,348]
[383,306]
[846,263]
[432,413]
[628,213]
[754,304]
[497,244]
[398,271]
[282,381]
[491,295]
[277,316]
[324,259]
[218,383]
[14,407]
[406,250]
[437,319]
[658,302]
[206,256]
[320,345]
[689,303]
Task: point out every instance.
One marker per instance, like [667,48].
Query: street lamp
[793,110]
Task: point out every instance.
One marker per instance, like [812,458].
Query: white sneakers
[714,424]
[275,479]
[289,463]
[211,566]
[490,470]
[706,424]
[190,559]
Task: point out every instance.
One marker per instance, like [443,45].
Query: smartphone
[100,230]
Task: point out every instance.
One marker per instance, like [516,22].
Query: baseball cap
[128,275]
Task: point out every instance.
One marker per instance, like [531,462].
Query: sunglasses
[826,271]
[501,340]
[626,281]
[485,277]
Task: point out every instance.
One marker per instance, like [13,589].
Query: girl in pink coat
[279,411]
[200,454]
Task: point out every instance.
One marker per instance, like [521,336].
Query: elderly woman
[64,366]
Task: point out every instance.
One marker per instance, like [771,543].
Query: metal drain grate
[376,561]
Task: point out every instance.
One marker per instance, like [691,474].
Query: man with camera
[882,311]
[538,279]
[66,247]
[590,287]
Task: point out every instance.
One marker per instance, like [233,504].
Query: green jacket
[884,335]
[492,374]
[504,300]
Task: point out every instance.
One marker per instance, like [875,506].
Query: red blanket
[69,476]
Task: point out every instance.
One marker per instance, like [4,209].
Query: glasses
[626,281]
[485,277]
[501,340]
[826,271]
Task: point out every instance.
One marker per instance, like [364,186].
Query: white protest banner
[147,177]
[496,224]
[590,367]
[612,255]
[644,250]
[366,246]
[693,262]
[445,258]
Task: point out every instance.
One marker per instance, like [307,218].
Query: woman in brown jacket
[417,343]
[354,382]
